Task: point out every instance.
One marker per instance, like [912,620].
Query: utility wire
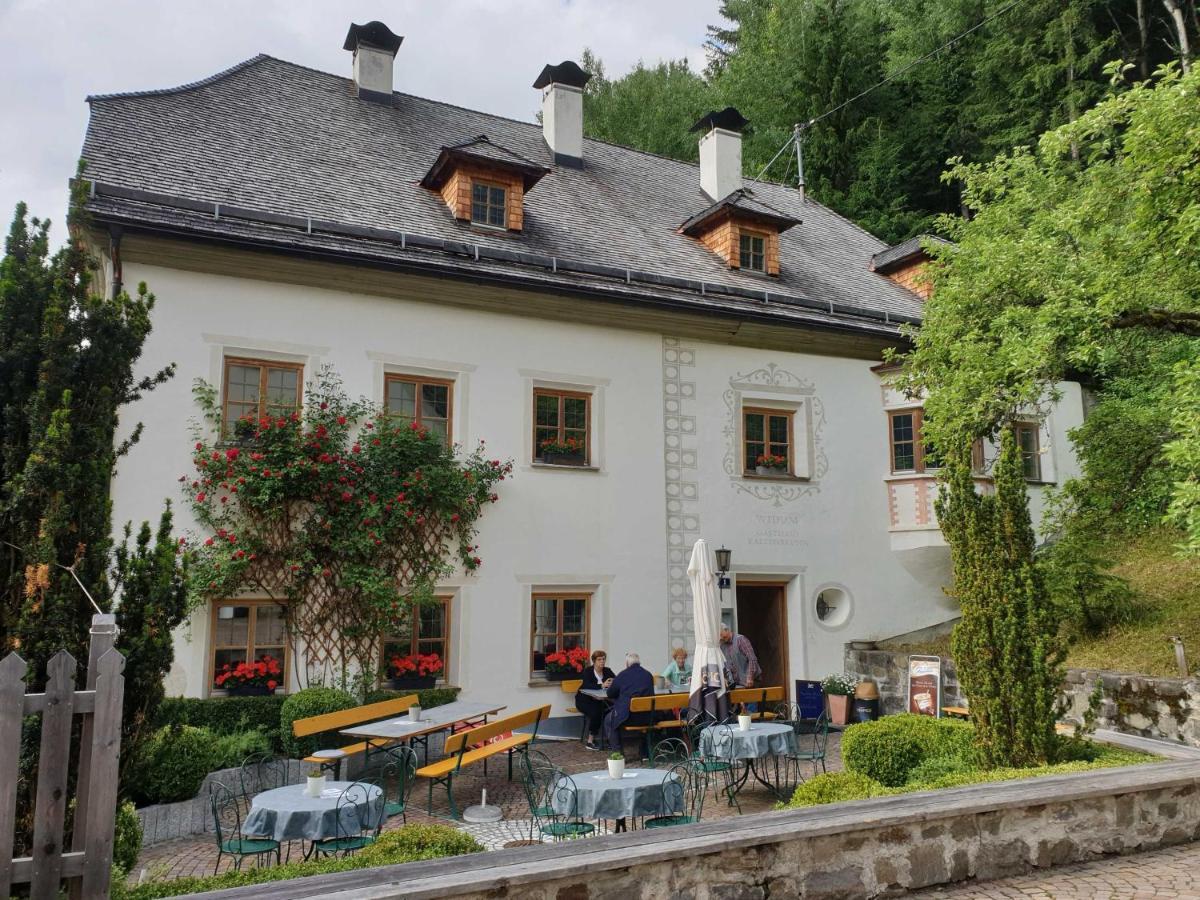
[908,68]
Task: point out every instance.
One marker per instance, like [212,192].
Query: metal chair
[262,772]
[812,739]
[538,777]
[560,819]
[536,759]
[396,778]
[720,767]
[670,751]
[227,822]
[684,789]
[359,820]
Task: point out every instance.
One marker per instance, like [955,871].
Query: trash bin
[866,702]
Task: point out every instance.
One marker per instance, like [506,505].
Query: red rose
[341,420]
[200,497]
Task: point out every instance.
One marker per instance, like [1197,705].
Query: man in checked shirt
[741,663]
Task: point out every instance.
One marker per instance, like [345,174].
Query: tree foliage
[1006,644]
[345,515]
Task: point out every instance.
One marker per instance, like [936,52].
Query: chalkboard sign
[810,698]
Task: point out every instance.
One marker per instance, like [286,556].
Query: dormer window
[752,253]
[489,204]
[483,183]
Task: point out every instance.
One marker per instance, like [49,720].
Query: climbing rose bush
[345,514]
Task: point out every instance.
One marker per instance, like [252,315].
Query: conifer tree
[1009,663]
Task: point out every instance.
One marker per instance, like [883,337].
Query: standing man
[741,664]
[634,681]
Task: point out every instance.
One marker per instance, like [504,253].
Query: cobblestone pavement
[198,855]
[1173,872]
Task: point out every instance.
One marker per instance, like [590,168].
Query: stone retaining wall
[889,670]
[863,849]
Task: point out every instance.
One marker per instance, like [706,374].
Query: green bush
[172,764]
[888,749]
[231,750]
[937,767]
[127,840]
[407,844]
[225,715]
[835,787]
[309,702]
[428,697]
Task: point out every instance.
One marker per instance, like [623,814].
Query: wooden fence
[88,863]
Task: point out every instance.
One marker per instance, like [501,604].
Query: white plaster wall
[604,530]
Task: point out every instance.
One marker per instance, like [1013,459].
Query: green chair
[684,789]
[556,812]
[719,772]
[396,778]
[227,822]
[359,821]
[262,772]
[670,751]
[812,738]
[538,777]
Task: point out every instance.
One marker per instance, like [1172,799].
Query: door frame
[781,585]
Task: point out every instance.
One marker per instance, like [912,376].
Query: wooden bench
[659,703]
[760,695]
[347,718]
[467,747]
[956,712]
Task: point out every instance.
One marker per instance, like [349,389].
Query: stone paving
[198,855]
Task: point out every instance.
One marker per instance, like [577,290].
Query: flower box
[564,664]
[769,470]
[562,675]
[249,690]
[251,678]
[412,682]
[563,459]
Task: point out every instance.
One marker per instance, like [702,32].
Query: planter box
[561,676]
[412,682]
[563,459]
[770,470]
[249,690]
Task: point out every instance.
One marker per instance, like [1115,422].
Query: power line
[798,129]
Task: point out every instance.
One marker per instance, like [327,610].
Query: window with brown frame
[246,630]
[560,622]
[255,388]
[561,427]
[1028,443]
[431,634]
[489,204]
[752,252]
[427,401]
[768,435]
[910,451]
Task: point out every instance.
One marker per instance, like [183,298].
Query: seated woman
[678,674]
[599,676]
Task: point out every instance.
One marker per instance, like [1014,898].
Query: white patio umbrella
[708,662]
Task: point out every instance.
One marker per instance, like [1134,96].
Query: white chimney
[721,152]
[562,111]
[374,47]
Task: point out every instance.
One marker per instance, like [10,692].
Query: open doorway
[762,618]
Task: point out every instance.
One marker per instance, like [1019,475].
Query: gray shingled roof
[744,201]
[276,137]
[904,252]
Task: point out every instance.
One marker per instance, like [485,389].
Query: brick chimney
[721,152]
[562,111]
[374,47]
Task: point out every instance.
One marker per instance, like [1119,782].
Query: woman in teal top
[678,673]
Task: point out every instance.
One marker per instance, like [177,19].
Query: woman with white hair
[634,681]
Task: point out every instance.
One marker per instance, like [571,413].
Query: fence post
[53,759]
[105,757]
[103,637]
[12,706]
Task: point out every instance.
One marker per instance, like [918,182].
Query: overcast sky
[482,54]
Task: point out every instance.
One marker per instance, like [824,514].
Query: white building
[288,218]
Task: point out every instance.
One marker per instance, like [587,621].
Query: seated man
[634,681]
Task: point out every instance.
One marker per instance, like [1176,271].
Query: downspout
[114,254]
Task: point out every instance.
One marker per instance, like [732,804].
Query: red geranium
[574,660]
[265,671]
[420,664]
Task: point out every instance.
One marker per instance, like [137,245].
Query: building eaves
[903,253]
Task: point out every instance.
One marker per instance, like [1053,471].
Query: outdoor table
[760,742]
[638,793]
[287,814]
[440,718]
[601,694]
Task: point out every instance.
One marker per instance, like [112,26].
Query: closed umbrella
[708,662]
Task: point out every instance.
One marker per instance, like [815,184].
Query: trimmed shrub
[224,715]
[172,764]
[888,749]
[936,767]
[835,787]
[231,750]
[407,844]
[127,839]
[428,698]
[309,702]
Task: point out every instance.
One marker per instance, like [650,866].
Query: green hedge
[409,843]
[836,787]
[428,697]
[303,704]
[225,715]
[127,838]
[889,749]
[172,764]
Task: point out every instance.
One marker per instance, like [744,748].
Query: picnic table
[601,694]
[432,721]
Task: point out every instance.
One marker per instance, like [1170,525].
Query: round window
[832,606]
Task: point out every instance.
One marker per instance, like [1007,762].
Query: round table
[597,796]
[760,746]
[287,814]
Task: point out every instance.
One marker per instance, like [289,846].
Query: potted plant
[564,664]
[616,765]
[253,678]
[315,782]
[565,452]
[414,672]
[839,688]
[769,464]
